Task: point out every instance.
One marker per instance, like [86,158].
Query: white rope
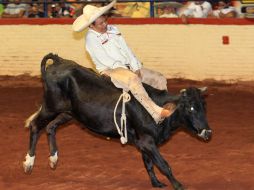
[123,130]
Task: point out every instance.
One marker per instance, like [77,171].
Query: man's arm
[206,8]
[135,64]
[188,13]
[231,14]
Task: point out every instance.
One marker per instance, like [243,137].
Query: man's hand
[184,19]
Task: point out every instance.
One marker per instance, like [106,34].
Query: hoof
[53,165]
[28,164]
[179,187]
[53,161]
[158,184]
[27,168]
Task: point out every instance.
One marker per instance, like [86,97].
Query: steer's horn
[183,90]
[49,62]
[203,89]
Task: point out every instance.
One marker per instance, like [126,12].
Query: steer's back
[89,97]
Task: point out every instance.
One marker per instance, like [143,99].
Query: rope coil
[122,131]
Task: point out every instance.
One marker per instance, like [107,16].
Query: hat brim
[81,22]
[169,4]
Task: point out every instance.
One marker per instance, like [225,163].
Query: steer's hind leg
[148,146]
[38,121]
[51,131]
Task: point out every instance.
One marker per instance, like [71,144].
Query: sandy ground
[89,162]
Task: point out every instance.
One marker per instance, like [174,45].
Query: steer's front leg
[149,168]
[147,145]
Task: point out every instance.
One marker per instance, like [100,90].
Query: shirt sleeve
[207,8]
[134,63]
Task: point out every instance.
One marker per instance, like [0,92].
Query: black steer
[72,91]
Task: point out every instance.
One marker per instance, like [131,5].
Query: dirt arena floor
[90,162]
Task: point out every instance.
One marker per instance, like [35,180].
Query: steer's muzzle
[205,134]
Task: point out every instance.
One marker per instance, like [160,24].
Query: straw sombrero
[90,14]
[169,4]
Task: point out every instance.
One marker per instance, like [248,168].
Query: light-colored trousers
[129,81]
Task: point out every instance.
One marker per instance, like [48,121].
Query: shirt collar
[110,30]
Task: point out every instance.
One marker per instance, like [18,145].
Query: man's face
[16,1]
[221,4]
[199,2]
[100,24]
[168,10]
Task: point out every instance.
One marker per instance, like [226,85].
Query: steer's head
[192,107]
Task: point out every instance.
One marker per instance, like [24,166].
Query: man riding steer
[112,57]
[74,92]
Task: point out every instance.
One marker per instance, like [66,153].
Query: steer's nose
[206,134]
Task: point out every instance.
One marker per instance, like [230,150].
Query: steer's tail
[48,60]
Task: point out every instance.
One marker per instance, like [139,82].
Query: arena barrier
[220,49]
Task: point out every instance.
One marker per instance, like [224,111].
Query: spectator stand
[123,8]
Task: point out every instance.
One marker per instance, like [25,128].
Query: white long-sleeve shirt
[110,51]
[198,11]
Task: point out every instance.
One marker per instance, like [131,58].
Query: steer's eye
[192,109]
